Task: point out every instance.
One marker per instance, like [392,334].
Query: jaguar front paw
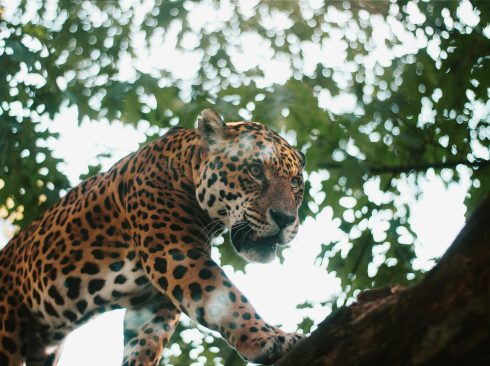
[268,348]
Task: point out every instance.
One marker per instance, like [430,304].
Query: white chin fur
[258,257]
[286,237]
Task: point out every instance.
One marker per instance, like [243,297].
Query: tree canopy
[376,94]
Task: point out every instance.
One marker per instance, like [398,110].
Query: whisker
[205,230]
[209,231]
[241,228]
[250,230]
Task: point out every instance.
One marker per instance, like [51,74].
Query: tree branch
[443,320]
[384,169]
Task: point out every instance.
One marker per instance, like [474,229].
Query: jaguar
[138,237]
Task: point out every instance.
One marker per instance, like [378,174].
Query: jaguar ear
[302,159]
[211,127]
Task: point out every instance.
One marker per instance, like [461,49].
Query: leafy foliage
[408,95]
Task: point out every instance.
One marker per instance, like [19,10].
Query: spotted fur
[137,237]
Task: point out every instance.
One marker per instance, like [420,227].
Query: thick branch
[398,169]
[443,320]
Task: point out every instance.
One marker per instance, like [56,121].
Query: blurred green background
[378,93]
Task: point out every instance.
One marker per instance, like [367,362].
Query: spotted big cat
[137,237]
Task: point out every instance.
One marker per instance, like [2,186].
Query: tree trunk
[443,320]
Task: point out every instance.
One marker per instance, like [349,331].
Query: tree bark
[443,320]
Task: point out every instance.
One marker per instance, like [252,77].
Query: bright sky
[274,289]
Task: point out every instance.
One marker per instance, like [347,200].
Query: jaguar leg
[10,343]
[44,360]
[147,330]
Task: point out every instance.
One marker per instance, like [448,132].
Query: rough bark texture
[443,320]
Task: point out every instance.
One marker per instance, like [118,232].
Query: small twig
[360,257]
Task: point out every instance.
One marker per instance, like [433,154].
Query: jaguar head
[251,181]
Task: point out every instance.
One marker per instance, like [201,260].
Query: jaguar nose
[282,219]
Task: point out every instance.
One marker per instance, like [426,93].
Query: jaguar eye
[255,170]
[296,182]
